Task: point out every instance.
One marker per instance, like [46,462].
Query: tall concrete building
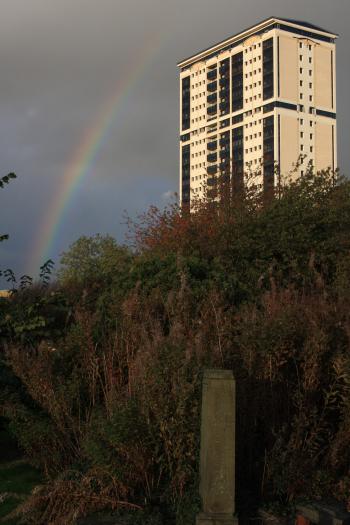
[261,98]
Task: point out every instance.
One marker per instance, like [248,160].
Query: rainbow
[85,154]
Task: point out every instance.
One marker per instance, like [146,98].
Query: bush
[110,406]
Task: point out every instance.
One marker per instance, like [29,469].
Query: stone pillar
[217,454]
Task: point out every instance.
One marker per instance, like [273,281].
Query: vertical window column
[185,172]
[269,156]
[237,159]
[268,69]
[237,81]
[225,153]
[224,82]
[212,86]
[186,103]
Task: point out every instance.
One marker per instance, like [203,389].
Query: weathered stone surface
[217,455]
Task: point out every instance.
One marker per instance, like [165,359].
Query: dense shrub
[109,403]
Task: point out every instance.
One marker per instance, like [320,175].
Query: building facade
[265,97]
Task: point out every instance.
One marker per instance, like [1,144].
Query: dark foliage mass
[101,371]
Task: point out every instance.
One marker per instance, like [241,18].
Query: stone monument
[217,454]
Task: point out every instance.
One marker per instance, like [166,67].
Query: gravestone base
[216,519]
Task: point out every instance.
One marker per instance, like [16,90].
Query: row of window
[302,135]
[255,148]
[301,71]
[247,62]
[256,160]
[260,161]
[239,118]
[247,49]
[301,82]
[198,95]
[199,72]
[302,122]
[246,75]
[301,45]
[254,85]
[196,108]
[253,73]
[250,99]
[247,100]
[197,154]
[199,177]
[301,57]
[301,96]
[197,84]
[247,150]
[198,119]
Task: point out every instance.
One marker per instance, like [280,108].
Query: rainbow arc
[86,153]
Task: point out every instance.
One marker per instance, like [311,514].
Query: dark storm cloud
[61,59]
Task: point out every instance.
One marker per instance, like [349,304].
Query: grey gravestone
[217,455]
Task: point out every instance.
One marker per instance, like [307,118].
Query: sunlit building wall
[263,98]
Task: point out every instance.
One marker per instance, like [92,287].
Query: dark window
[225,123]
[269,157]
[237,159]
[225,155]
[212,110]
[224,66]
[211,98]
[212,157]
[237,81]
[211,170]
[212,145]
[186,102]
[268,107]
[237,118]
[185,137]
[268,68]
[185,172]
[212,74]
[212,86]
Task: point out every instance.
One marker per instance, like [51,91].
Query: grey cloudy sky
[60,60]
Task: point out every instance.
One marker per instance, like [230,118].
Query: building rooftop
[250,31]
[305,24]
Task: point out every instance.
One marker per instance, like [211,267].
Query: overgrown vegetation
[102,370]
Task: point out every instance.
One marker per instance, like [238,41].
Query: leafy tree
[93,258]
